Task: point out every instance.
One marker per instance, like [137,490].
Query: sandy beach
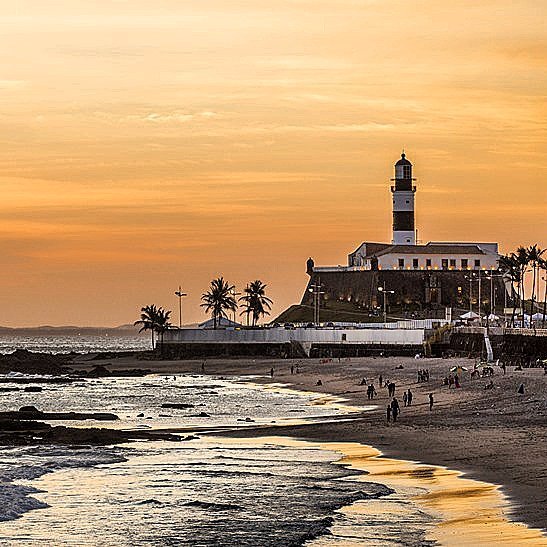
[492,435]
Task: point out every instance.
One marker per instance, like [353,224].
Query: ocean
[84,342]
[203,491]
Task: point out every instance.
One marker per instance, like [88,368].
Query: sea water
[205,491]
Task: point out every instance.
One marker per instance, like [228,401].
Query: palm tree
[543,266]
[521,257]
[219,299]
[534,257]
[162,324]
[149,316]
[511,270]
[154,319]
[255,301]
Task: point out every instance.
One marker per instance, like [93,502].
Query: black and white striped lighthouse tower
[403,204]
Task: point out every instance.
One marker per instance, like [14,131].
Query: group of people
[452,380]
[407,397]
[423,375]
[295,369]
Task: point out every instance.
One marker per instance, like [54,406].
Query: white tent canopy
[470,315]
[538,316]
[491,317]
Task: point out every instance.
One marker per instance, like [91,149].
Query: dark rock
[177,405]
[99,371]
[33,389]
[30,409]
[141,415]
[30,412]
[29,362]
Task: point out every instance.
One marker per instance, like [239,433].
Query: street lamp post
[180,296]
[235,295]
[385,293]
[470,277]
[317,292]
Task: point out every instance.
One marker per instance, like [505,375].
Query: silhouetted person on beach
[431,401]
[391,389]
[389,413]
[203,366]
[409,397]
[319,382]
[395,408]
[380,380]
[292,369]
[272,372]
[405,398]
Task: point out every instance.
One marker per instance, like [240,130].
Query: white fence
[305,336]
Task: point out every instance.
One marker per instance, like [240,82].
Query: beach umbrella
[459,369]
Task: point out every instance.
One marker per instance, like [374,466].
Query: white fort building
[403,253]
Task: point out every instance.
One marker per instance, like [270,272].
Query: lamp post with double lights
[317,292]
[385,292]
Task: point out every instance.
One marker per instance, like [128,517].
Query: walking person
[389,413]
[409,396]
[395,408]
[272,372]
[405,398]
[431,401]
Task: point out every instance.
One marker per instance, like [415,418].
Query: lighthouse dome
[403,161]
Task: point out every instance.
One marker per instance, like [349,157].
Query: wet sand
[495,436]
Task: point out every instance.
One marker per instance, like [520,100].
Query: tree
[218,300]
[521,257]
[543,266]
[149,315]
[534,258]
[154,319]
[162,324]
[256,303]
[511,269]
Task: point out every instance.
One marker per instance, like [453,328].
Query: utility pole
[180,296]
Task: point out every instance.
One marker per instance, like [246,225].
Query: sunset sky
[147,144]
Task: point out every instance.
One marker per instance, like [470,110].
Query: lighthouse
[403,204]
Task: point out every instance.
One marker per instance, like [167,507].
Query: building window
[444,263]
[465,264]
[401,262]
[428,262]
[406,172]
[415,263]
[477,263]
[452,262]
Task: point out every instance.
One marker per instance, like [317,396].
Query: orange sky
[150,143]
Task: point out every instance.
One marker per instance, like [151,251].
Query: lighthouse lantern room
[403,204]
